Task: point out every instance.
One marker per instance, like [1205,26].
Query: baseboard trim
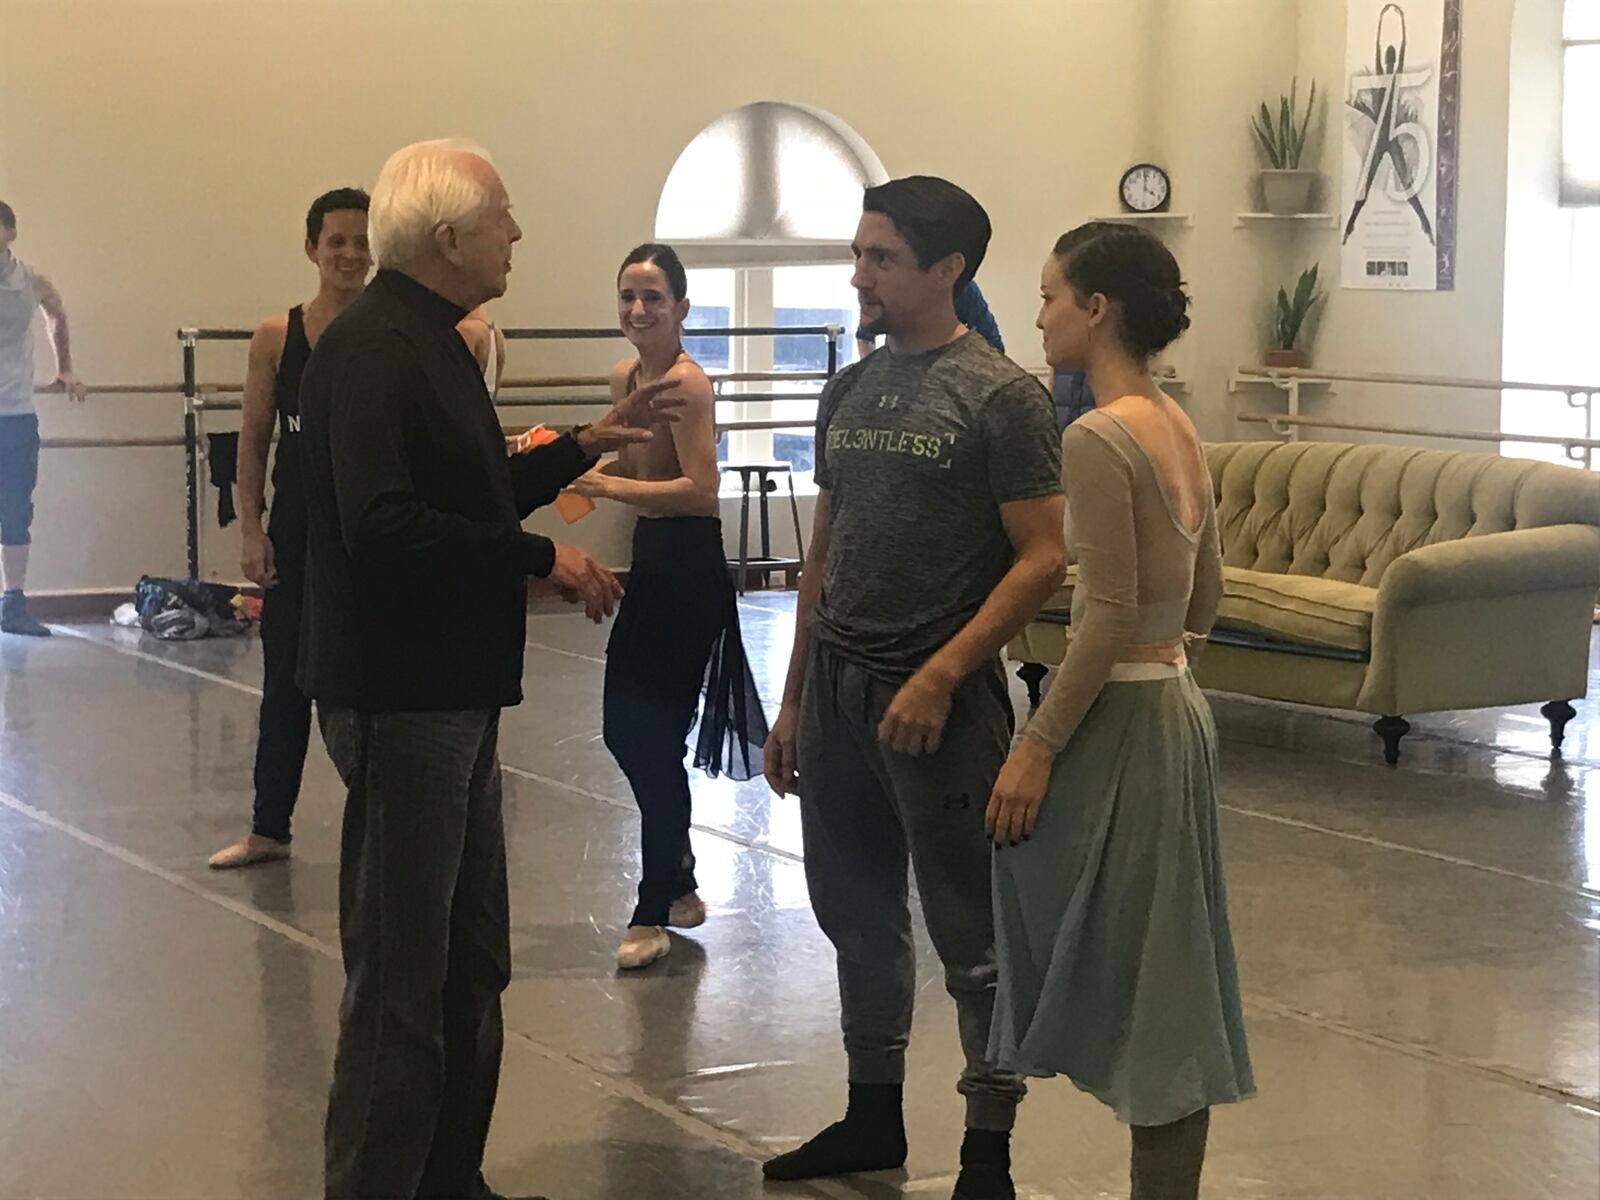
[87,605]
[97,604]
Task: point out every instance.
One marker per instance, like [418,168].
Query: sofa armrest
[1551,558]
[1483,622]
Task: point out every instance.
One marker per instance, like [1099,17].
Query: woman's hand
[1018,792]
[594,483]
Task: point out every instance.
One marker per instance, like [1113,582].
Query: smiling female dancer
[677,631]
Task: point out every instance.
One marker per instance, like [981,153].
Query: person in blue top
[1069,389]
[972,310]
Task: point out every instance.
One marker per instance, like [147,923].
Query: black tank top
[286,398]
[291,365]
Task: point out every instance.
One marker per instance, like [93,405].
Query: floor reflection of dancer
[1111,918]
[678,626]
[1389,63]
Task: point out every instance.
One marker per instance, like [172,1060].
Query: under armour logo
[956,803]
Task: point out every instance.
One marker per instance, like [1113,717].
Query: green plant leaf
[1303,290]
[1266,131]
[1264,140]
[1305,125]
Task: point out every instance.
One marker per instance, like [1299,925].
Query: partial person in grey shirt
[938,534]
[22,292]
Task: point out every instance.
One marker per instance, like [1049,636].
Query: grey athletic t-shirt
[19,298]
[918,452]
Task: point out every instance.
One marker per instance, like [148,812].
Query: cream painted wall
[1433,333]
[161,156]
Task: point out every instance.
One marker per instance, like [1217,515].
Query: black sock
[985,1167]
[872,1137]
[877,1104]
[989,1146]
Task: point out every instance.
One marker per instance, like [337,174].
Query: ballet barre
[1577,448]
[1290,380]
[198,398]
[717,379]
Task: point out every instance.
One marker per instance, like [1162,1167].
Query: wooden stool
[764,562]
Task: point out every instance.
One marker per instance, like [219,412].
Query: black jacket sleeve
[538,475]
[384,523]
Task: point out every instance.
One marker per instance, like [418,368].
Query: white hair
[421,187]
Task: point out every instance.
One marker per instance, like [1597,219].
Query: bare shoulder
[270,334]
[691,380]
[620,371]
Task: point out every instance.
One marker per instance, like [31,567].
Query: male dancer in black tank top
[274,558]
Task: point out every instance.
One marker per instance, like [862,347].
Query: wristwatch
[576,434]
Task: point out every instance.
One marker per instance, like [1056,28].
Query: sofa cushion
[1346,512]
[1297,608]
[1286,608]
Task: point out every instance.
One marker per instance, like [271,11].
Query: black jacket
[416,576]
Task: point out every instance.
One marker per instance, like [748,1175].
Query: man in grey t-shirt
[938,534]
[22,292]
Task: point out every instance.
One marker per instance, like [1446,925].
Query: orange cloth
[570,505]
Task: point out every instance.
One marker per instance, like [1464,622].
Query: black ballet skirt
[733,725]
[676,659]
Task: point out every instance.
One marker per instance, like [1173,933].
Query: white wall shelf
[1257,220]
[1183,220]
[1241,382]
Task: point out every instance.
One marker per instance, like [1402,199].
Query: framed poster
[1402,140]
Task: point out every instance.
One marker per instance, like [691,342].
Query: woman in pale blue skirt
[1116,960]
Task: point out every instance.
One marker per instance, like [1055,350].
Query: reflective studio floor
[1418,950]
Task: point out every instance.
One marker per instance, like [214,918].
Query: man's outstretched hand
[630,418]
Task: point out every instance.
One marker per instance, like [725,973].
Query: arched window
[762,206]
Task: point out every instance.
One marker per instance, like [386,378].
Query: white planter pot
[1287,192]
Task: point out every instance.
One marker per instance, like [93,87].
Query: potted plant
[1288,321]
[1284,186]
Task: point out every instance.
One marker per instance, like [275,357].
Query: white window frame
[1575,192]
[753,264]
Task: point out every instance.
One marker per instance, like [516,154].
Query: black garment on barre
[677,634]
[222,458]
[416,581]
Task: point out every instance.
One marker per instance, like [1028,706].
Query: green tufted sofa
[1390,580]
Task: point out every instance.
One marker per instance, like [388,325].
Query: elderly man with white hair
[415,624]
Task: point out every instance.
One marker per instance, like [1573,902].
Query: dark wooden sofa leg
[1391,730]
[1558,713]
[1033,675]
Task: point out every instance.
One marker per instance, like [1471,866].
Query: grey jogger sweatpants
[866,812]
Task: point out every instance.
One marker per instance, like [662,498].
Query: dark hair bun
[1132,267]
[1153,318]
